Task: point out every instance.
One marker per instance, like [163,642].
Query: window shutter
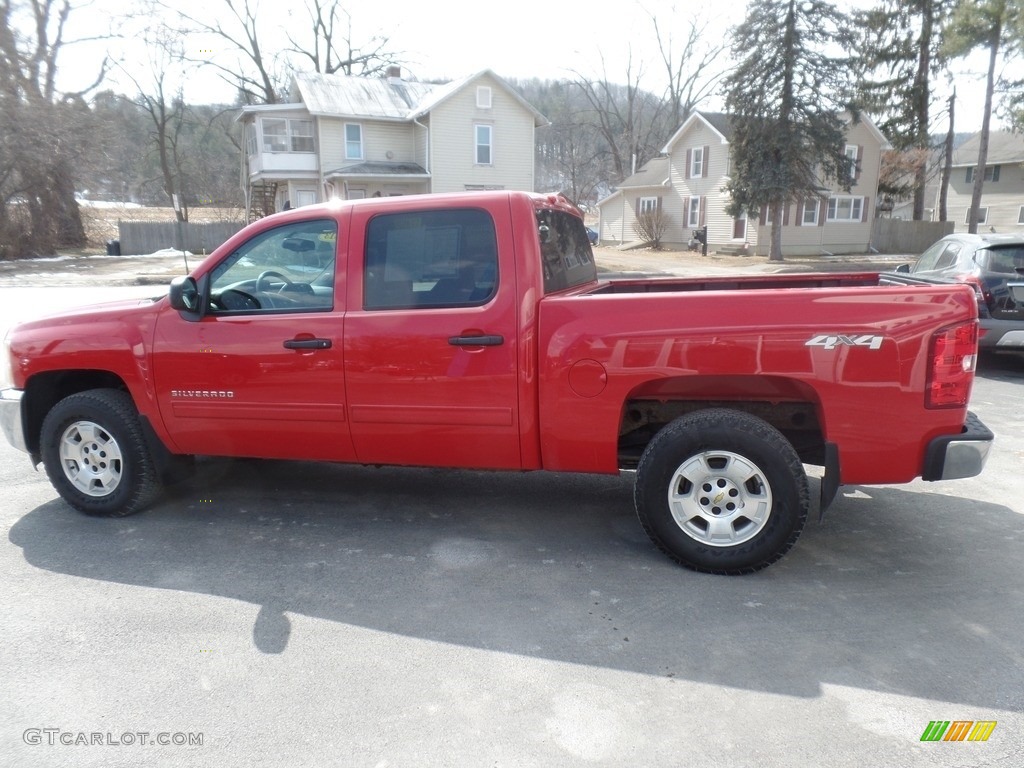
[864,209]
[860,158]
[703,210]
[785,215]
[704,164]
[636,207]
[823,212]
[686,211]
[970,175]
[764,215]
[689,163]
[659,203]
[799,212]
[995,173]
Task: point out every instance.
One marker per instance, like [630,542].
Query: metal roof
[374,168]
[654,173]
[338,96]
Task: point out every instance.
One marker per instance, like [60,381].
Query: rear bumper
[1001,335]
[10,418]
[955,456]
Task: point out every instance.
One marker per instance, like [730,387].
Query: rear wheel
[96,456]
[721,491]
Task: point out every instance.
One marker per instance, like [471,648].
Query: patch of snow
[105,204]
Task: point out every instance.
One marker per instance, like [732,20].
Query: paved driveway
[286,613]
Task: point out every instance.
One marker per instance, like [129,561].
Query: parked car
[994,266]
[592,235]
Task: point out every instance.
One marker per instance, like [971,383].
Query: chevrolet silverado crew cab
[471,330]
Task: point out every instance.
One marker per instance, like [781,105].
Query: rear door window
[443,258]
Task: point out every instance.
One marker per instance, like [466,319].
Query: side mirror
[904,269]
[186,296]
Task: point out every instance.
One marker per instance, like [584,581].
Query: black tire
[106,470]
[723,526]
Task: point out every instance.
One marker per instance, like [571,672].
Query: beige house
[353,137]
[1002,198]
[687,183]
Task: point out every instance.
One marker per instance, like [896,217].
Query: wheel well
[643,418]
[45,390]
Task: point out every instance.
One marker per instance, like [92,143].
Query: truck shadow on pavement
[899,591]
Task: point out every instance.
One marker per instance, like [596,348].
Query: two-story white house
[351,137]
[688,184]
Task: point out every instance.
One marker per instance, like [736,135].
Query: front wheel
[721,491]
[96,456]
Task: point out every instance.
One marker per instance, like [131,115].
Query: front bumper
[955,456]
[10,418]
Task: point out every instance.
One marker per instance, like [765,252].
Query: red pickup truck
[472,330]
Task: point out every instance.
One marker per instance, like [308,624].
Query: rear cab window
[566,255]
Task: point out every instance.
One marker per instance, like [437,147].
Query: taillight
[954,353]
[981,293]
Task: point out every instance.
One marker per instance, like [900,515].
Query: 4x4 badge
[831,342]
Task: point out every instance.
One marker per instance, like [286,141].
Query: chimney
[394,74]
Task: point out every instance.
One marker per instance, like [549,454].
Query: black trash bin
[113,247]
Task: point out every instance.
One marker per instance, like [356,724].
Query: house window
[991,173]
[648,204]
[483,97]
[353,141]
[302,135]
[251,145]
[851,155]
[484,144]
[809,214]
[281,134]
[275,134]
[845,208]
[693,213]
[697,163]
[982,216]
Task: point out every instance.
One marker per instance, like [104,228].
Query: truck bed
[729,283]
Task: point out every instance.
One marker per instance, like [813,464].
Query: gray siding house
[1002,198]
[688,181]
[352,137]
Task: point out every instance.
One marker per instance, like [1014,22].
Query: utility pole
[947,165]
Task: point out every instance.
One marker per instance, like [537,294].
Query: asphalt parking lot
[288,613]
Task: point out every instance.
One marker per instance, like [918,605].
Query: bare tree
[690,64]
[320,35]
[328,43]
[258,75]
[42,141]
[650,226]
[163,102]
[631,121]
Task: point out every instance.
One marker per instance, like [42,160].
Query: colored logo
[958,730]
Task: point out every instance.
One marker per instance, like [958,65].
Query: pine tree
[899,52]
[786,98]
[998,26]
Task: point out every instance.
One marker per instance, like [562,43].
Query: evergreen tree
[785,97]
[998,26]
[900,51]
